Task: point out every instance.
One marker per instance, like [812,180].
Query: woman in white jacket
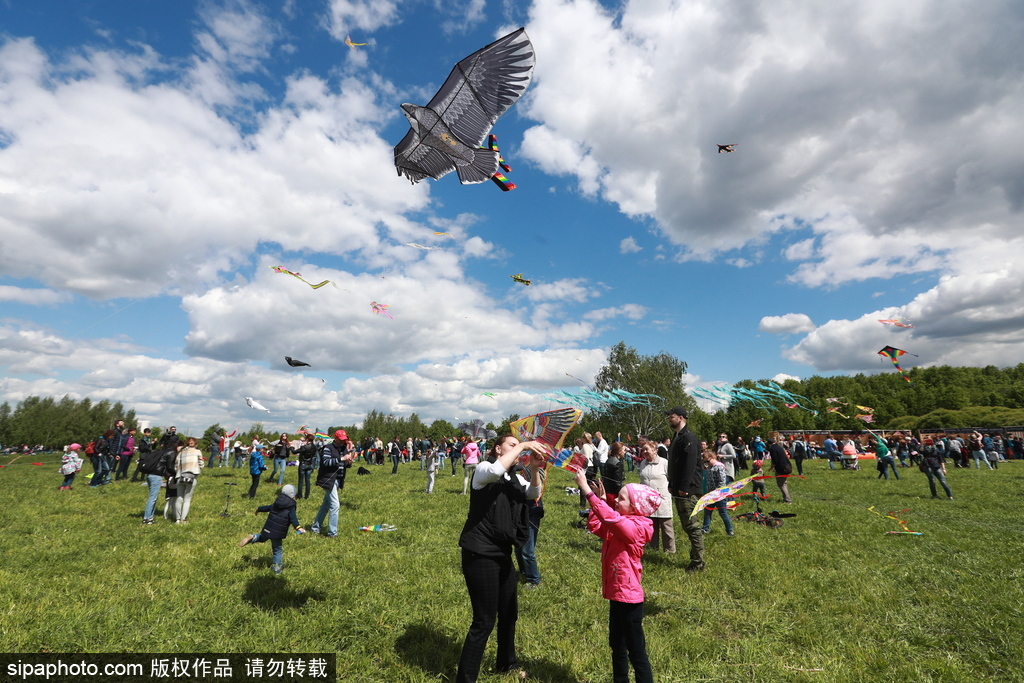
[188,465]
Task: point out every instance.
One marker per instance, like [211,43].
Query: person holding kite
[623,523]
[498,521]
[716,479]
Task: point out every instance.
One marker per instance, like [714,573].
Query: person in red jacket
[623,522]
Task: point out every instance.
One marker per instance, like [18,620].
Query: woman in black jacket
[282,449]
[613,475]
[498,521]
[307,463]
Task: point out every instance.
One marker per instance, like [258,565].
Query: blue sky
[156,158]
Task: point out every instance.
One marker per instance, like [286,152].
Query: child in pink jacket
[624,524]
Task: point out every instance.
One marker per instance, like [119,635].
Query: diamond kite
[727,148]
[892,353]
[518,277]
[447,134]
[296,363]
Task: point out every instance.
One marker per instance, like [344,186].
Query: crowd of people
[505,509]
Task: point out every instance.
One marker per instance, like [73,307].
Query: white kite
[254,404]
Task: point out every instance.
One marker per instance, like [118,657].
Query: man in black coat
[685,483]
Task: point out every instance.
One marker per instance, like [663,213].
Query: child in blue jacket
[256,468]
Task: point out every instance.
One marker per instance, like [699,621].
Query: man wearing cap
[685,482]
[334,460]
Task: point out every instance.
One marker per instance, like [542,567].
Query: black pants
[122,467]
[492,585]
[255,483]
[626,638]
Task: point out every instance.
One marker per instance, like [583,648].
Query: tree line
[938,397]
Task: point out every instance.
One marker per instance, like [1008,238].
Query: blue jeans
[936,473]
[527,555]
[154,481]
[394,459]
[97,469]
[279,465]
[720,506]
[884,464]
[329,509]
[276,545]
[979,457]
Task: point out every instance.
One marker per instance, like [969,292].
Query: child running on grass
[282,513]
[626,528]
[70,465]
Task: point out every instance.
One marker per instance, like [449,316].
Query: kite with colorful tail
[500,180]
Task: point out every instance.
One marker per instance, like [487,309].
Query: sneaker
[531,586]
[147,521]
[705,531]
[730,533]
[246,541]
[277,568]
[695,567]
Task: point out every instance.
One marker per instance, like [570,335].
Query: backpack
[799,448]
[157,462]
[90,448]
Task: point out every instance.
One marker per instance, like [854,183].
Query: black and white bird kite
[447,134]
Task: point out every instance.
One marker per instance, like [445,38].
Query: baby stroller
[849,457]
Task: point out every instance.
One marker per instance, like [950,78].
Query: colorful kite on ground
[379,527]
[518,277]
[381,308]
[892,353]
[896,322]
[282,269]
[903,525]
[296,363]
[348,41]
[254,404]
[549,428]
[500,180]
[447,134]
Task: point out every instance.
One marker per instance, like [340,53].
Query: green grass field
[827,597]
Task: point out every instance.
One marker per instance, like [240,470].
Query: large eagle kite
[447,134]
